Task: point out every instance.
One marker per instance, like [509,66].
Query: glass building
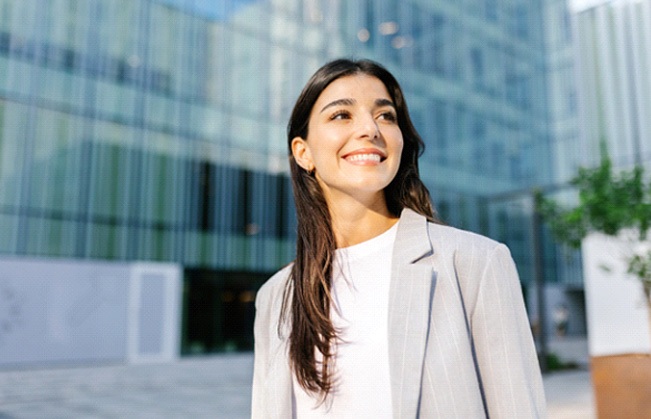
[614,40]
[154,130]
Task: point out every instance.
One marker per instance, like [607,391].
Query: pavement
[201,387]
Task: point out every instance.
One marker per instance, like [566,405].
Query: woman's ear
[302,155]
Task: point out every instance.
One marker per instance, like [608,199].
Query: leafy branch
[609,202]
[640,266]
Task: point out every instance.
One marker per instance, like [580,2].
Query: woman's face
[354,142]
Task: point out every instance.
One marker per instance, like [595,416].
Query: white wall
[71,311]
[618,319]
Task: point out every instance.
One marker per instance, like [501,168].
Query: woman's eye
[388,116]
[340,115]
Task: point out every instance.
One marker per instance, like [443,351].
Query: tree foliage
[608,203]
[640,266]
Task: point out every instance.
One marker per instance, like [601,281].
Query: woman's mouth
[366,157]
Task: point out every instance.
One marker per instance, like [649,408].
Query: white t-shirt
[361,276]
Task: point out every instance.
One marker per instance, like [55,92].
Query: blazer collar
[413,237]
[410,297]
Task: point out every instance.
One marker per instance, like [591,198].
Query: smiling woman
[385,312]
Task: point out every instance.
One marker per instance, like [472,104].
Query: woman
[385,312]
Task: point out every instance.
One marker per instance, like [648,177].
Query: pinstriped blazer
[460,345]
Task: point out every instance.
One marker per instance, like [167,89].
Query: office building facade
[154,130]
[613,44]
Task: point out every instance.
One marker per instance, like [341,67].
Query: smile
[376,158]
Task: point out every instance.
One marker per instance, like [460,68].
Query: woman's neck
[355,223]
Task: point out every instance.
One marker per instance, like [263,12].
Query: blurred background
[144,190]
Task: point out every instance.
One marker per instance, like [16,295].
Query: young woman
[385,312]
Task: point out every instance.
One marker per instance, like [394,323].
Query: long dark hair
[307,298]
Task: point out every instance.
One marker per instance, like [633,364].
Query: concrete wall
[70,311]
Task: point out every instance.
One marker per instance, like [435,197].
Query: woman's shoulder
[448,240]
[474,258]
[462,239]
[274,286]
[465,248]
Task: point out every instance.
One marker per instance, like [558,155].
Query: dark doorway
[218,310]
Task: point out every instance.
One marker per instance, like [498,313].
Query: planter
[622,386]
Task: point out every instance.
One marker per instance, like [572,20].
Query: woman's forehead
[352,88]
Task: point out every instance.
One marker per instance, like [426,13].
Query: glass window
[110,161]
[162,37]
[8,231]
[160,112]
[245,132]
[106,240]
[477,65]
[370,24]
[520,21]
[17,80]
[57,167]
[13,126]
[566,24]
[490,10]
[479,145]
[214,127]
[53,237]
[497,157]
[226,203]
[433,43]
[216,84]
[440,116]
[5,15]
[249,83]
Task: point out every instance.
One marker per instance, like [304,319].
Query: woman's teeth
[364,157]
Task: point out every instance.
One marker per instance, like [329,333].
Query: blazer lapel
[411,291]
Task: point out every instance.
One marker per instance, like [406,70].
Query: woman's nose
[368,128]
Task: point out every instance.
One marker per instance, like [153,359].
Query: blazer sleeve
[505,352]
[261,353]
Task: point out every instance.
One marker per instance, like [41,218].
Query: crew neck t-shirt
[360,287]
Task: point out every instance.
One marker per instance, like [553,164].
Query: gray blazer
[460,345]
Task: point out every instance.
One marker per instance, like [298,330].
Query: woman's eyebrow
[339,102]
[384,102]
[348,102]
